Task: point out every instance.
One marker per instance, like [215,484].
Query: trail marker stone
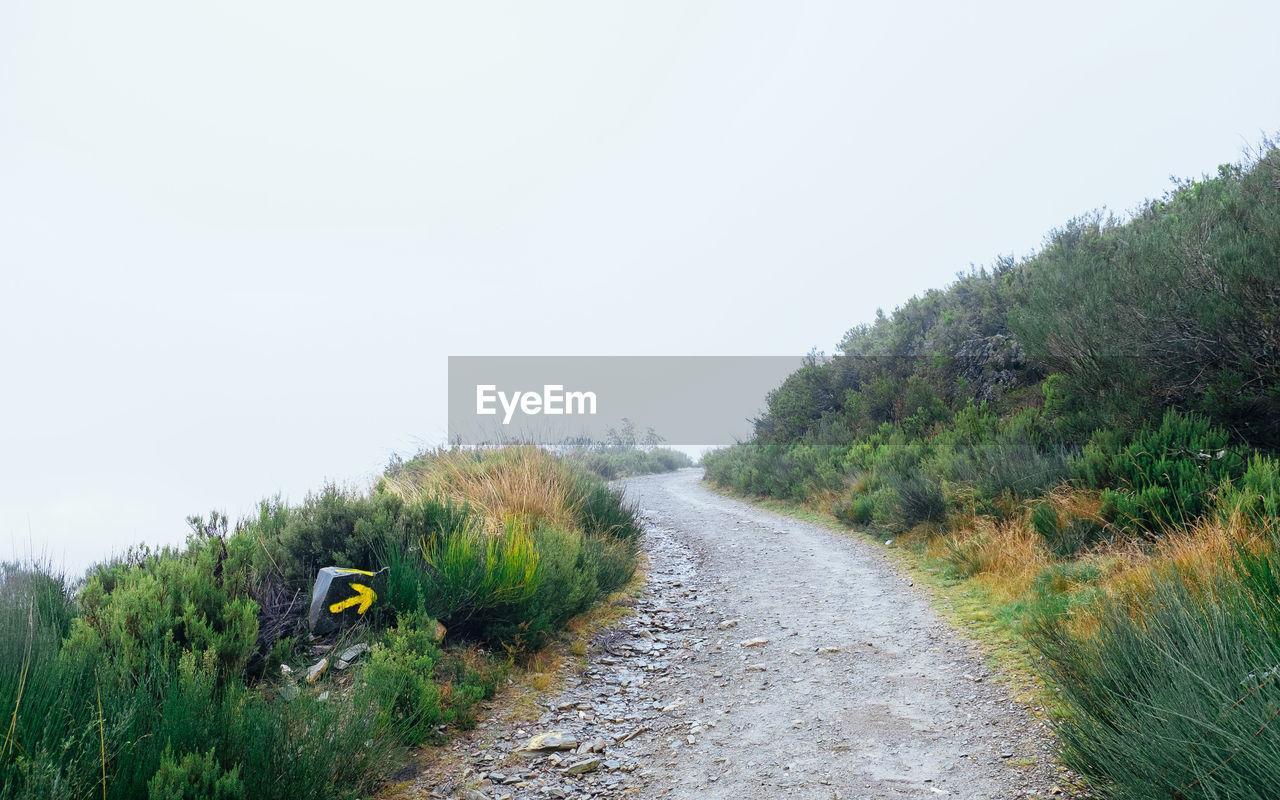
[340,597]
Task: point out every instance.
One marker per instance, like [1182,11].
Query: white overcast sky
[238,241]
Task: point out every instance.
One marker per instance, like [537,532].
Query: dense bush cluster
[1119,389]
[161,673]
[613,462]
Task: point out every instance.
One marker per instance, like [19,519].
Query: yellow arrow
[363,597]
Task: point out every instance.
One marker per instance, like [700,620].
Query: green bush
[1176,696]
[1046,520]
[400,675]
[516,588]
[612,561]
[565,586]
[1022,470]
[197,776]
[919,497]
[468,573]
[601,511]
[777,470]
[1165,475]
[142,617]
[856,511]
[1256,496]
[333,528]
[1093,466]
[144,676]
[621,461]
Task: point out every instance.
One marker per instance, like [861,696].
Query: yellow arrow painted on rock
[363,597]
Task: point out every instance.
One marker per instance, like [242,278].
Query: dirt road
[768,658]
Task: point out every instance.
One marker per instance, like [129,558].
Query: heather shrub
[196,776]
[1255,496]
[1165,476]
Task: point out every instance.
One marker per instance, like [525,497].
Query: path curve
[860,691]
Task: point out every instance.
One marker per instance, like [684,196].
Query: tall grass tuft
[513,482]
[1177,693]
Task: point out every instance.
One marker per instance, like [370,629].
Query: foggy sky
[239,241]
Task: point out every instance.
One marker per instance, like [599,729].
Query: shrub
[1256,496]
[1065,537]
[856,511]
[197,776]
[565,587]
[919,497]
[1164,475]
[601,511]
[1022,470]
[334,528]
[399,675]
[1079,533]
[1046,520]
[1092,467]
[522,482]
[141,618]
[515,586]
[970,555]
[621,461]
[145,677]
[1176,694]
[612,561]
[468,573]
[1059,590]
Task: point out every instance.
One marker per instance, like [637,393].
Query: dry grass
[1074,503]
[512,483]
[827,498]
[1200,551]
[1004,556]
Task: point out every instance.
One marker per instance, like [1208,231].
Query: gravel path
[768,658]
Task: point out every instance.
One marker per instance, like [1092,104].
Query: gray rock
[626,737]
[353,652]
[586,765]
[551,740]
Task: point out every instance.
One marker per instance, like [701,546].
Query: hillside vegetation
[612,462]
[179,673]
[1088,437]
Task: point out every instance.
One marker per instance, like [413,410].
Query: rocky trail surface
[767,658]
